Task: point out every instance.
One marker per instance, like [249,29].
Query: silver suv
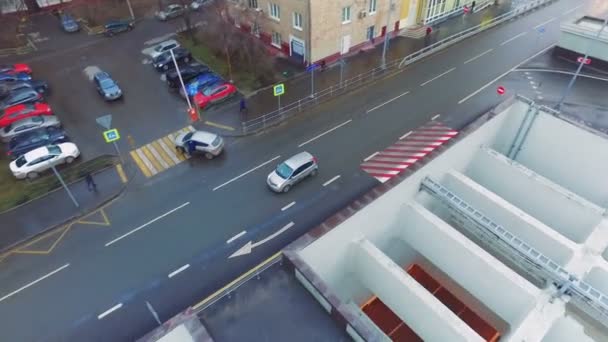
[211,145]
[292,171]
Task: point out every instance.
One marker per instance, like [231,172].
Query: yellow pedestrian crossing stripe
[159,155]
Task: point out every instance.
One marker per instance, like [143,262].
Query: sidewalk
[38,216]
[299,86]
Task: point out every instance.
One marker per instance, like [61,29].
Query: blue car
[200,82]
[68,23]
[106,86]
[15,77]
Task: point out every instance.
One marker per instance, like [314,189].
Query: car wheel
[166,67]
[209,155]
[32,175]
[186,59]
[69,160]
[286,188]
[180,150]
[314,172]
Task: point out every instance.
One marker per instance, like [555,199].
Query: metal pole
[181,81]
[65,186]
[388,22]
[279,98]
[312,83]
[580,67]
[118,151]
[341,71]
[130,9]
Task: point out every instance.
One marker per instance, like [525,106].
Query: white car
[172,11]
[198,4]
[159,48]
[34,162]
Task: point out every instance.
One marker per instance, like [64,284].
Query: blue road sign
[111,135]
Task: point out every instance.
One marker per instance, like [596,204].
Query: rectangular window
[297,21]
[346,15]
[275,11]
[253,3]
[276,39]
[372,6]
[255,29]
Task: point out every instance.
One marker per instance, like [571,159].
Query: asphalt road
[95,283]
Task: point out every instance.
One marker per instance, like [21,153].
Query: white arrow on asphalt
[249,246]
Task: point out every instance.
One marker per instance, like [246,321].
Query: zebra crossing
[159,155]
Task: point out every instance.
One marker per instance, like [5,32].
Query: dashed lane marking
[109,311]
[34,282]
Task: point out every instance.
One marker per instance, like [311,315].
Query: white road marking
[405,135]
[371,156]
[478,56]
[326,132]
[34,282]
[288,206]
[387,102]
[435,117]
[181,269]
[513,38]
[504,74]
[249,246]
[331,180]
[572,10]
[147,224]
[236,236]
[90,71]
[246,173]
[110,310]
[437,77]
[544,23]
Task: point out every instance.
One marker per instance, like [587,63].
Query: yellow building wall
[405,9]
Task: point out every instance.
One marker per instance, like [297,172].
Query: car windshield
[209,91]
[54,150]
[284,171]
[187,137]
[20,161]
[106,83]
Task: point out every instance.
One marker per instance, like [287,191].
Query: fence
[392,67]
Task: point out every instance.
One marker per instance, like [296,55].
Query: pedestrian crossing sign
[279,89]
[111,135]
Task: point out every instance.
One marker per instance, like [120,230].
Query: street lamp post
[65,186]
[580,67]
[386,39]
[181,81]
[130,9]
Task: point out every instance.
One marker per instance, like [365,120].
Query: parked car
[172,11]
[164,61]
[198,4]
[292,171]
[22,111]
[9,87]
[19,97]
[14,77]
[213,94]
[188,73]
[34,162]
[117,26]
[201,82]
[161,47]
[106,86]
[68,23]
[15,68]
[33,139]
[28,124]
[210,144]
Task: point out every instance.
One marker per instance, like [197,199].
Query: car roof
[204,136]
[299,159]
[28,120]
[36,153]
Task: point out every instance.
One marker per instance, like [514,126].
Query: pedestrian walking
[323,65]
[243,109]
[91,186]
[429,30]
[472,6]
[191,146]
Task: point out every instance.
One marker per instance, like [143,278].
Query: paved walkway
[299,86]
[38,216]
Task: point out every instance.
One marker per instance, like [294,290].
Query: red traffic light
[500,90]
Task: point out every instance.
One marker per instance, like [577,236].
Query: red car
[15,68]
[214,93]
[22,111]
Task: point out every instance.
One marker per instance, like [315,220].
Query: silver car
[292,171]
[172,11]
[210,144]
[28,124]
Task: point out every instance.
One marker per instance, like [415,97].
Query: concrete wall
[598,278]
[567,330]
[564,211]
[527,228]
[582,39]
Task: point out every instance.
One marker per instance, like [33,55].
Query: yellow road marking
[157,156]
[163,153]
[191,128]
[140,164]
[50,249]
[146,156]
[179,156]
[214,124]
[240,278]
[105,222]
[172,153]
[121,173]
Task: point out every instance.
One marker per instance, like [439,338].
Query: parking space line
[121,173]
[170,152]
[34,282]
[151,159]
[179,270]
[109,311]
[161,151]
[140,163]
[331,180]
[326,132]
[246,173]
[288,206]
[236,236]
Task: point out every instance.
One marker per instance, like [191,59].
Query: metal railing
[395,66]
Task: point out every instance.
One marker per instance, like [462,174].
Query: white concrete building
[502,235]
